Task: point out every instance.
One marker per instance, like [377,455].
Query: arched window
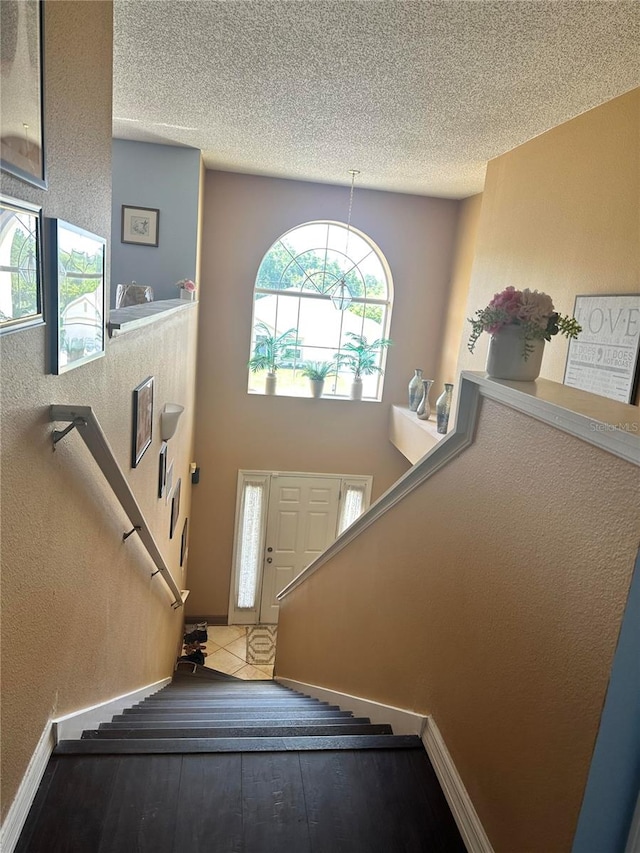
[326,286]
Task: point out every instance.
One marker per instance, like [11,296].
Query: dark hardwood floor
[384,798]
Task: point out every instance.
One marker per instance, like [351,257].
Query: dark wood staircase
[231,766]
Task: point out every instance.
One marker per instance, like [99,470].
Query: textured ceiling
[416,95]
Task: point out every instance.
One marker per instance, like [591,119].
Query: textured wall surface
[490,598]
[82,621]
[561,214]
[243,216]
[455,320]
[167,178]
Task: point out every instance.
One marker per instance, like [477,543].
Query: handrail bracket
[59,434]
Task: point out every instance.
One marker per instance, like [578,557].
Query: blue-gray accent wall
[165,177]
[614,777]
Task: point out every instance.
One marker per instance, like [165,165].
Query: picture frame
[140,225]
[175,508]
[22,142]
[21,292]
[162,471]
[184,548]
[142,420]
[603,359]
[75,268]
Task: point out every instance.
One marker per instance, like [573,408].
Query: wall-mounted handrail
[83,419]
[607,424]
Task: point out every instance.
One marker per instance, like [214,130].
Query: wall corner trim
[17,814]
[465,815]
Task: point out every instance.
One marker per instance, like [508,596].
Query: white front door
[301,522]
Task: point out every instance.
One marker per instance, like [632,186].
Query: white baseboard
[406,722]
[69,727]
[17,814]
[72,725]
[466,817]
[403,722]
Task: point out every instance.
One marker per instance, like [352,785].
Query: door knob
[269,550]
[269,560]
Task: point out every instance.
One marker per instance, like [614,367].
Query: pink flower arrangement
[186,284]
[530,309]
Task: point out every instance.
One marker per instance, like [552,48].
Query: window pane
[307,266]
[352,506]
[319,325]
[250,535]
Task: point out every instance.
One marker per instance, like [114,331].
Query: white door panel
[302,521]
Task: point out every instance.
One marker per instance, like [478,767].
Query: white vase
[317,387]
[189,295]
[505,359]
[270,384]
[356,389]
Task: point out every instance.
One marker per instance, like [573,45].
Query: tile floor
[227,652]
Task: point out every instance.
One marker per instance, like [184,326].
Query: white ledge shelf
[133,317]
[611,426]
[410,435]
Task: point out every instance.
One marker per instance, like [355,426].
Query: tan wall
[244,215]
[490,598]
[455,321]
[561,214]
[82,621]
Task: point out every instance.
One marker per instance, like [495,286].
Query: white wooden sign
[604,357]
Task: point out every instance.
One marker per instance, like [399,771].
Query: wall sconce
[169,418]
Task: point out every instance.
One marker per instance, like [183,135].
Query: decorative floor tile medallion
[261,644]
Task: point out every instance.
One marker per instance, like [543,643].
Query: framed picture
[603,358]
[75,271]
[184,548]
[162,472]
[20,265]
[140,225]
[22,152]
[142,419]
[175,509]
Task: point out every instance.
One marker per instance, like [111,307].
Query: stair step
[139,725]
[177,693]
[239,731]
[204,673]
[257,701]
[239,711]
[186,746]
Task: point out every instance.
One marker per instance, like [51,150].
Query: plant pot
[270,384]
[188,295]
[505,359]
[356,389]
[317,387]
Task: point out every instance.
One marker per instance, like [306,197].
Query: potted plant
[519,322]
[317,372]
[361,358]
[268,352]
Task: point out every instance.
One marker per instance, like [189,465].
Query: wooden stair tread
[264,713]
[241,731]
[141,724]
[249,744]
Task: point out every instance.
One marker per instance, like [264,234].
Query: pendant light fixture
[341,296]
